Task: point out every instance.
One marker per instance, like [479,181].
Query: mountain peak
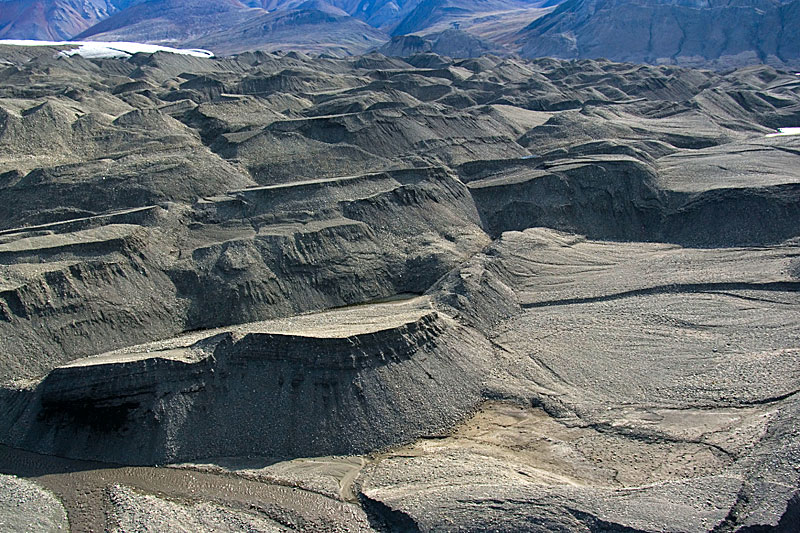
[321,5]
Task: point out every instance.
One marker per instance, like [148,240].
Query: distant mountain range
[175,21]
[718,33]
[63,19]
[311,27]
[707,33]
[54,19]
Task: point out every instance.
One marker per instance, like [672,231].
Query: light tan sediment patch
[633,447]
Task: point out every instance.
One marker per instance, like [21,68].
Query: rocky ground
[281,292]
[27,507]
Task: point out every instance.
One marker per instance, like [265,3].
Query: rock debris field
[277,292]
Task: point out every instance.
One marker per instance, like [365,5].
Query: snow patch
[104,50]
[784,132]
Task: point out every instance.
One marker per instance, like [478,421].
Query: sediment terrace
[95,284]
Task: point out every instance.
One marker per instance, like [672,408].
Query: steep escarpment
[182,400]
[66,295]
[618,197]
[279,250]
[609,196]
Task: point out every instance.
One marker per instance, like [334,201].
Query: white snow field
[784,132]
[103,50]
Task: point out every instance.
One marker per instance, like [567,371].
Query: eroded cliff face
[316,385]
[499,292]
